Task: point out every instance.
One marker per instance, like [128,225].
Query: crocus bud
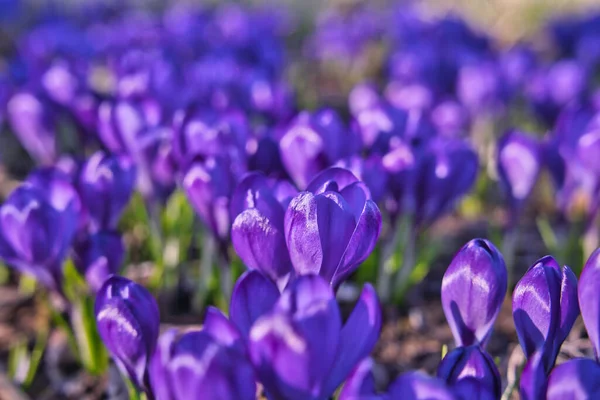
[471,362]
[519,163]
[300,350]
[532,384]
[577,379]
[257,232]
[32,123]
[313,142]
[473,289]
[128,323]
[209,363]
[332,227]
[209,185]
[254,295]
[105,185]
[99,256]
[589,299]
[545,308]
[37,229]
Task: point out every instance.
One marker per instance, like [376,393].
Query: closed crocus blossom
[208,185]
[470,362]
[331,228]
[99,256]
[473,289]
[127,318]
[105,185]
[202,364]
[32,123]
[519,163]
[577,379]
[313,142]
[300,349]
[445,172]
[545,308]
[589,299]
[257,233]
[37,228]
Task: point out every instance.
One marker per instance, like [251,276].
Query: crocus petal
[339,176]
[473,388]
[253,296]
[302,234]
[217,325]
[532,384]
[358,337]
[418,386]
[473,289]
[157,369]
[577,379]
[589,299]
[360,385]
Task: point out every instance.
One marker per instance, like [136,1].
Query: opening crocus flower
[519,163]
[545,308]
[331,228]
[471,362]
[300,349]
[105,185]
[202,364]
[127,318]
[258,209]
[473,289]
[37,228]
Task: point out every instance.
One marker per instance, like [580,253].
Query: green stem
[409,241]
[387,264]
[205,269]
[91,350]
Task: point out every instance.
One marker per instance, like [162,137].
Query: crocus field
[246,200]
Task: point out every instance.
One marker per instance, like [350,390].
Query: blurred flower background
[151,152]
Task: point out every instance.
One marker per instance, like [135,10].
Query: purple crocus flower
[370,170]
[479,86]
[99,256]
[589,300]
[208,185]
[105,185]
[362,97]
[473,289]
[519,163]
[33,124]
[313,142]
[545,308]
[379,125]
[257,232]
[331,228]
[37,228]
[254,295]
[471,362]
[127,318]
[450,119]
[577,379]
[208,363]
[300,349]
